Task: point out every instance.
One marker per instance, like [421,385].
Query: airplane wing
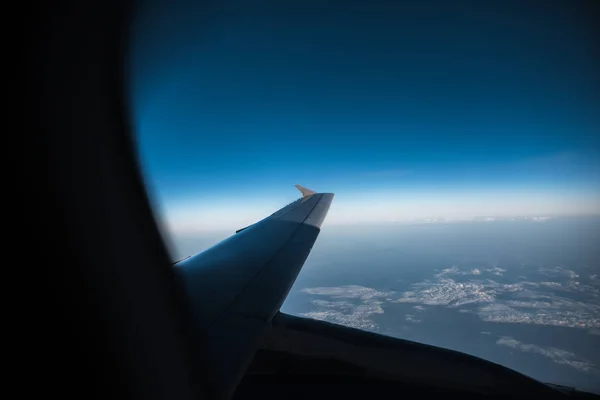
[234,291]
[235,288]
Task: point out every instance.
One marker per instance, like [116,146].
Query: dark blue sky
[251,97]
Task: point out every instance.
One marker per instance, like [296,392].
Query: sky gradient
[403,110]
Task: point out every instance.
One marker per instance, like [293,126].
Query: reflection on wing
[239,284]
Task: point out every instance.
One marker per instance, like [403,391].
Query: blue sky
[430,109]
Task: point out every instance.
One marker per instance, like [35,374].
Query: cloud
[557,355]
[571,317]
[446,292]
[496,271]
[357,318]
[524,302]
[348,292]
[350,305]
[353,205]
[541,219]
[559,271]
[454,270]
[412,318]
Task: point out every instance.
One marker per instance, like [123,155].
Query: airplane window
[460,139]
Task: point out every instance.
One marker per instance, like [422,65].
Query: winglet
[305,192]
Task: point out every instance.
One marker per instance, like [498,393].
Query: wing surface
[235,288]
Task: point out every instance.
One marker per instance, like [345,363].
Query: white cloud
[496,271]
[412,318]
[453,270]
[348,291]
[559,271]
[350,305]
[524,302]
[541,219]
[557,355]
[372,206]
[358,317]
[353,206]
[446,292]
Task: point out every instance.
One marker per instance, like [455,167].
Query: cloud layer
[350,305]
[557,355]
[528,302]
[562,298]
[556,302]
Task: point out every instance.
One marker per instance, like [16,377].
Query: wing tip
[305,192]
